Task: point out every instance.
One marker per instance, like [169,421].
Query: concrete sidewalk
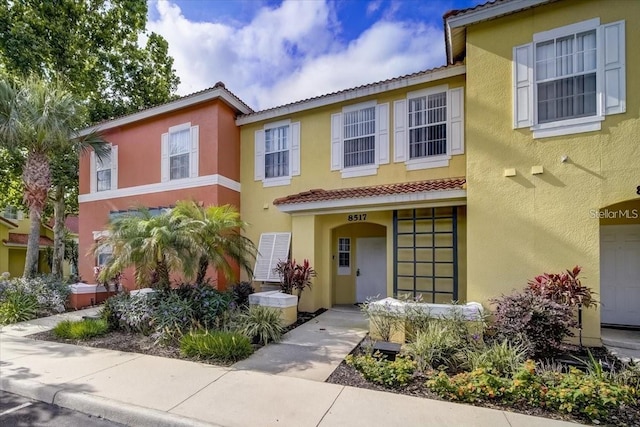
[139,390]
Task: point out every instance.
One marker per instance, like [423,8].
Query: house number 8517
[357,217]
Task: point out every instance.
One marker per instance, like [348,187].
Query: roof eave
[178,104]
[447,197]
[463,20]
[348,95]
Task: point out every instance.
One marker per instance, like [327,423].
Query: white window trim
[525,85]
[165,169]
[581,124]
[431,161]
[381,133]
[344,271]
[93,170]
[294,154]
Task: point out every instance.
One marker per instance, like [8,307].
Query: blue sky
[271,52]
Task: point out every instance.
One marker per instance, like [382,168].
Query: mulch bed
[349,376]
[139,343]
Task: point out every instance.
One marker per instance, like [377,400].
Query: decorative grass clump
[81,329]
[223,347]
[262,324]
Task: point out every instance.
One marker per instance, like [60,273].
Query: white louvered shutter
[523,86]
[613,44]
[295,148]
[382,127]
[93,179]
[114,167]
[259,156]
[336,142]
[400,131]
[164,158]
[193,158]
[273,248]
[456,120]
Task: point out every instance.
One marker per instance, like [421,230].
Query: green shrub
[543,323]
[260,322]
[17,306]
[440,343]
[132,313]
[81,329]
[172,317]
[224,347]
[477,385]
[587,395]
[503,358]
[206,302]
[381,371]
[50,293]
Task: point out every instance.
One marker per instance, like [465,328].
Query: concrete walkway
[624,344]
[139,390]
[313,350]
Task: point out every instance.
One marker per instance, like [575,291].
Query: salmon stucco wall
[139,168]
[524,225]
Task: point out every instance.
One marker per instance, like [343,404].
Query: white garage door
[620,274]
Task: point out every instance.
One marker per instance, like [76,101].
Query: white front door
[620,274]
[371,268]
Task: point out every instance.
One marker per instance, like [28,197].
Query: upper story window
[277,153]
[569,78]
[360,139]
[10,212]
[104,170]
[566,77]
[179,152]
[429,127]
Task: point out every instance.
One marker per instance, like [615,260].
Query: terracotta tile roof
[318,195]
[21,239]
[218,85]
[481,6]
[352,89]
[71,223]
[8,222]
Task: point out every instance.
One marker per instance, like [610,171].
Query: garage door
[620,274]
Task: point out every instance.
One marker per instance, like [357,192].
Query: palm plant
[217,233]
[154,245]
[39,119]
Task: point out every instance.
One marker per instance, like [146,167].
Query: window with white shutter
[429,127]
[179,152]
[277,153]
[569,78]
[360,139]
[104,170]
[273,248]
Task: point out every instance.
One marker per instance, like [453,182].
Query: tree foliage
[92,47]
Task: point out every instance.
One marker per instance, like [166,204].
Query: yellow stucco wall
[4,251]
[312,235]
[525,225]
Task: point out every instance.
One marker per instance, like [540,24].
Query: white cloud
[291,52]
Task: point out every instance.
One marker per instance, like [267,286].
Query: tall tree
[39,118]
[92,46]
